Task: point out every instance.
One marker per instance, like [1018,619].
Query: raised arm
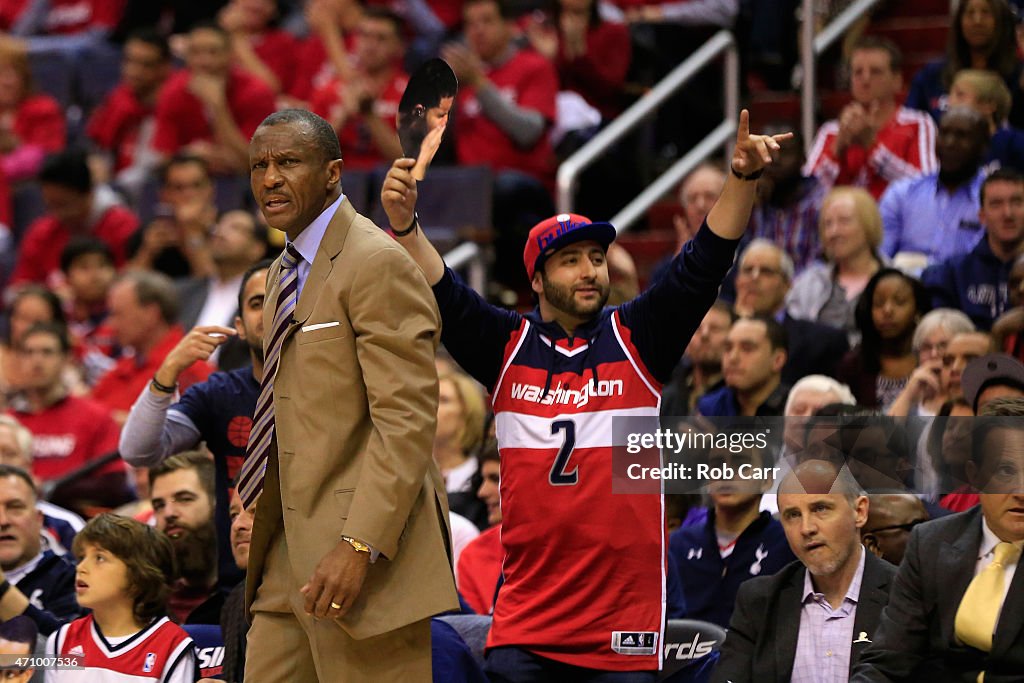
[398,196]
[729,216]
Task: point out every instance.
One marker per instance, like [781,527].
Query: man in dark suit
[957,600]
[763,278]
[812,619]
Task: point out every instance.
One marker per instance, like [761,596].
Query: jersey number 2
[559,476]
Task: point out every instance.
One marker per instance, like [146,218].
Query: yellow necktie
[979,608]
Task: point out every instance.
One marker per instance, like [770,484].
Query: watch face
[424,107]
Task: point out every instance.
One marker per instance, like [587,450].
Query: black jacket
[765,625]
[915,640]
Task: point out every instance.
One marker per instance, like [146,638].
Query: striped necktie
[250,478]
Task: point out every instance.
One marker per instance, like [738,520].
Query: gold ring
[335,605]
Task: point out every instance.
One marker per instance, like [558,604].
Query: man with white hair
[763,278]
[807,396]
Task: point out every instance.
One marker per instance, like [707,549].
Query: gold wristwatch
[358,545]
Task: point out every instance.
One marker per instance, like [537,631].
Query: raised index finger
[743,130]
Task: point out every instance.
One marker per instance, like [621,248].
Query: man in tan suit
[349,556]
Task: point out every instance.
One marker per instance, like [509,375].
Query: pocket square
[319,326]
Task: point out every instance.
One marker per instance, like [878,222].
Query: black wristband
[753,176]
[412,226]
[163,388]
[4,587]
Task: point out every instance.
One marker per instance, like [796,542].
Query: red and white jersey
[160,653]
[904,148]
[584,569]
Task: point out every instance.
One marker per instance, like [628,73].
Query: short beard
[196,553]
[564,300]
[256,349]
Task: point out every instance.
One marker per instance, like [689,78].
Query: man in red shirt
[363,108]
[74,207]
[68,431]
[211,109]
[505,108]
[143,313]
[122,126]
[874,141]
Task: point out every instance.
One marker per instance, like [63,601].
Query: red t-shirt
[357,148]
[599,74]
[181,118]
[75,16]
[479,570]
[69,434]
[279,51]
[313,70]
[528,80]
[448,11]
[10,10]
[39,258]
[115,125]
[40,121]
[121,386]
[67,16]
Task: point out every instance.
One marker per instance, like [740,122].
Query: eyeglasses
[757,271]
[908,527]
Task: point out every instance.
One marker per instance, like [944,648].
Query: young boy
[124,572]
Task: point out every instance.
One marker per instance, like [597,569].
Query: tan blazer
[355,410]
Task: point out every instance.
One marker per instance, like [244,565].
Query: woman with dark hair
[591,55]
[886,314]
[982,36]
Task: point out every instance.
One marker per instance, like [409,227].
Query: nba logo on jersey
[635,642]
[150,662]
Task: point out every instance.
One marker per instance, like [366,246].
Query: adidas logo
[77,651]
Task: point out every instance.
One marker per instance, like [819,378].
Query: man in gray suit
[957,600]
[812,619]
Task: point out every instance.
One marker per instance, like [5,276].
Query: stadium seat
[473,628]
[690,650]
[99,71]
[452,200]
[357,186]
[53,74]
[26,206]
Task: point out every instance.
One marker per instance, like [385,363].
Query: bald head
[891,516]
[822,509]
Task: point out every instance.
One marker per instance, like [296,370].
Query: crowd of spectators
[881,276]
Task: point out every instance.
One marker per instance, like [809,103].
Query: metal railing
[812,46]
[571,169]
[470,256]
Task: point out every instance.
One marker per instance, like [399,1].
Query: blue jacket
[975,283]
[710,583]
[722,403]
[50,589]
